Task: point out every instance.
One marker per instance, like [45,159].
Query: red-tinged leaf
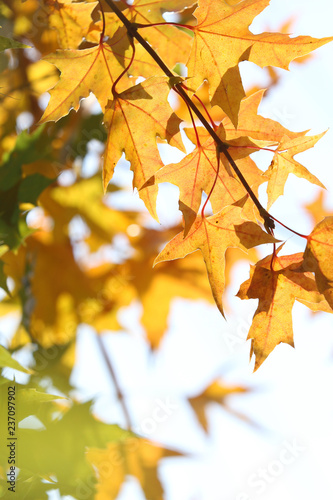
[171,44]
[277,290]
[134,119]
[213,235]
[199,172]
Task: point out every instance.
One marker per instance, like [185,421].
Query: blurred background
[183,371]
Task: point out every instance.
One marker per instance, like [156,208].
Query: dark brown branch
[222,147]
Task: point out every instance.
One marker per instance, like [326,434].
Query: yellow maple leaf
[284,164]
[222,40]
[134,456]
[134,119]
[72,22]
[82,71]
[316,208]
[255,126]
[213,235]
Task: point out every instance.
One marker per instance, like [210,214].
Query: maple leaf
[199,172]
[72,22]
[277,290]
[84,199]
[283,164]
[70,468]
[316,209]
[133,456]
[255,126]
[82,71]
[222,40]
[6,360]
[213,235]
[134,119]
[156,288]
[216,392]
[170,43]
[318,257]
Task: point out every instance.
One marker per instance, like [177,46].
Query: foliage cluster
[160,72]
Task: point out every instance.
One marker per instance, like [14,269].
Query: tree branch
[222,147]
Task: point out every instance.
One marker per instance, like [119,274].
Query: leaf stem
[289,229]
[207,113]
[103,22]
[112,372]
[223,147]
[114,92]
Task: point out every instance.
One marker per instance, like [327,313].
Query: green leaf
[9,43]
[3,278]
[6,360]
[16,189]
[76,429]
[31,187]
[32,396]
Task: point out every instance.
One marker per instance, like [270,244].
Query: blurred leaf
[135,457]
[3,279]
[6,360]
[216,392]
[76,430]
[8,43]
[14,189]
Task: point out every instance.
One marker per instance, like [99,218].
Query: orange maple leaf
[318,257]
[199,172]
[277,290]
[213,235]
[222,40]
[216,392]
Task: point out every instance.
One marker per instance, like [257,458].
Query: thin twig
[112,372]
